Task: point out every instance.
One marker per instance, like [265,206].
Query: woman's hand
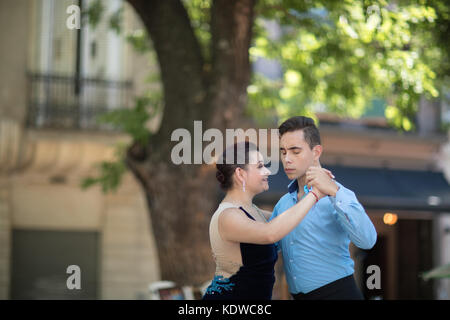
[329,173]
[321,179]
[318,193]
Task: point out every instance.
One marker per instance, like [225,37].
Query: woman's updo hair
[235,156]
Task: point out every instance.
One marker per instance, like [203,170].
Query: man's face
[296,155]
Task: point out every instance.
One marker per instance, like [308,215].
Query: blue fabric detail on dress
[277,246]
[218,284]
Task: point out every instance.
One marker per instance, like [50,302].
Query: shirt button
[291,260]
[292,242]
[295,278]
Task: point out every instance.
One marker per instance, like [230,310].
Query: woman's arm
[234,225]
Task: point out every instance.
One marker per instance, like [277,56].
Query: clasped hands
[320,180]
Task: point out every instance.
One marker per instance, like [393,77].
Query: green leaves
[199,12]
[115,21]
[338,56]
[139,40]
[94,12]
[110,172]
[133,122]
[438,272]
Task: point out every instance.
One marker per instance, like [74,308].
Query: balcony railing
[65,102]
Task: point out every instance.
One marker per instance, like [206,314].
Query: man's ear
[317,152]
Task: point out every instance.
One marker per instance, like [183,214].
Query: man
[316,253]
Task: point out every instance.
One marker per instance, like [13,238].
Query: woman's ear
[237,175]
[240,174]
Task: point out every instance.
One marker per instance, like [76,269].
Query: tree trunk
[182,198]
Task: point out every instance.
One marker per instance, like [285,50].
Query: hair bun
[220,176]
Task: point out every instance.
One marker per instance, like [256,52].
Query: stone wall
[43,193]
[5,237]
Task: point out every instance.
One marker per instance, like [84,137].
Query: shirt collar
[293,188]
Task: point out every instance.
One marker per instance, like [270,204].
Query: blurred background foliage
[350,58]
[341,56]
[335,56]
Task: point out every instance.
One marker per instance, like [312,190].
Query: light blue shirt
[316,252]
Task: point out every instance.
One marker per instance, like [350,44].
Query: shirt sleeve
[274,214]
[353,218]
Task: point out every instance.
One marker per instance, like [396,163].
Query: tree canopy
[338,56]
[334,56]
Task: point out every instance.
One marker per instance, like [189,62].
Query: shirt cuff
[343,197]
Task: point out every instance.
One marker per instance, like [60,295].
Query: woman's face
[256,174]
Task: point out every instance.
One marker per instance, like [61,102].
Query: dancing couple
[312,224]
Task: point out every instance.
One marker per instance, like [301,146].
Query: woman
[242,238]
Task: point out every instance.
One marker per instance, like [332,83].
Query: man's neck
[301,182]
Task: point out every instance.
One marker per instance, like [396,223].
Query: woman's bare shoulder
[230,212]
[267,214]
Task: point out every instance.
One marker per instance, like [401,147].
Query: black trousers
[341,289]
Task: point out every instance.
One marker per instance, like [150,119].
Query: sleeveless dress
[244,271]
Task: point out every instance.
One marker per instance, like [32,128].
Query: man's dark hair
[310,131]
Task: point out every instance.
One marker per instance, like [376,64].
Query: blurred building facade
[54,83]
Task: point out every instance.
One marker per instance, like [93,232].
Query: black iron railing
[65,102]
